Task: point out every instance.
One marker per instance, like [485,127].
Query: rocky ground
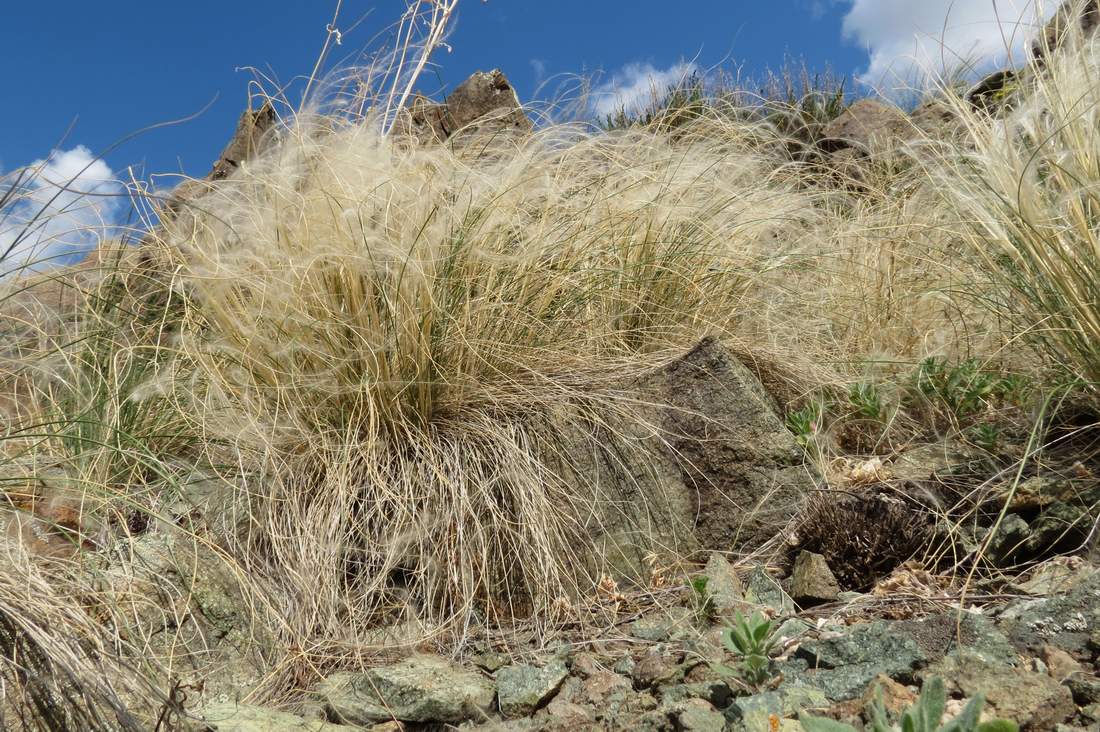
[1031,649]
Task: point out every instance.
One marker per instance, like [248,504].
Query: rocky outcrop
[484,104]
[866,125]
[1072,18]
[254,132]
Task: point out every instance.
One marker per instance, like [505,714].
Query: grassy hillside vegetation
[360,381]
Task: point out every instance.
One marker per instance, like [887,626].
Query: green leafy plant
[962,390]
[924,716]
[866,400]
[704,601]
[753,640]
[986,436]
[805,423]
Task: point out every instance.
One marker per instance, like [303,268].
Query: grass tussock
[366,382]
[403,344]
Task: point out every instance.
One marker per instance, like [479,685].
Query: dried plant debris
[863,538]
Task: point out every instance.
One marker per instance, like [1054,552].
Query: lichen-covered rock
[418,689]
[764,590]
[521,689]
[1065,621]
[812,582]
[743,472]
[1008,540]
[1033,700]
[233,717]
[724,587]
[752,713]
[843,665]
[675,623]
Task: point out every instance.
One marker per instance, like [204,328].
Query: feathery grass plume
[402,342]
[1025,183]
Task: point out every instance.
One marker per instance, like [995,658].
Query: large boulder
[742,473]
[696,458]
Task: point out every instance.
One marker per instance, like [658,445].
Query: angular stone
[696,715]
[487,98]
[812,582]
[1064,621]
[762,589]
[1060,665]
[671,624]
[522,689]
[1034,701]
[895,697]
[419,689]
[754,712]
[1005,545]
[654,669]
[233,717]
[724,587]
[743,474]
[844,665]
[1085,689]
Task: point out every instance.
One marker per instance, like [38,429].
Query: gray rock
[674,623]
[1012,535]
[1060,527]
[842,666]
[992,92]
[812,582]
[233,717]
[753,712]
[742,473]
[656,668]
[763,589]
[1064,621]
[254,131]
[867,125]
[485,103]
[488,99]
[723,585]
[1033,700]
[521,689]
[1085,689]
[419,689]
[939,635]
[705,463]
[696,715]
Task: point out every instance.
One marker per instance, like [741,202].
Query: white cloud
[637,86]
[910,40]
[64,204]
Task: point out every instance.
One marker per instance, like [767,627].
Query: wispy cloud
[64,204]
[636,86]
[910,41]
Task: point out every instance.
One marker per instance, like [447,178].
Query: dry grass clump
[410,350]
[1026,186]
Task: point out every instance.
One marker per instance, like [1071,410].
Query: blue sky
[81,75]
